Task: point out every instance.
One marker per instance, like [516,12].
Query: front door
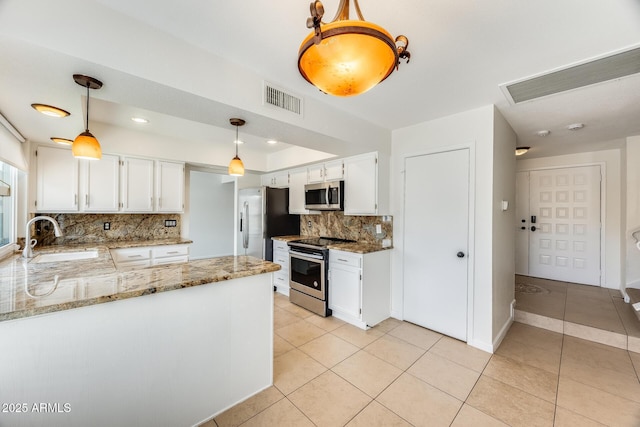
[564,224]
[436,239]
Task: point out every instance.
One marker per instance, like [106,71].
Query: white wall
[504,188]
[632,212]
[210,215]
[473,129]
[614,214]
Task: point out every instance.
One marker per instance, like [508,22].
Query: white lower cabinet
[281,257]
[169,254]
[359,287]
[146,256]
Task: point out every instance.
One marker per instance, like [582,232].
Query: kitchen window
[8,178]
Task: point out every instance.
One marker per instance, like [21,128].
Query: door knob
[523,228]
[460,254]
[533,228]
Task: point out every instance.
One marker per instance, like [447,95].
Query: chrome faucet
[28,252]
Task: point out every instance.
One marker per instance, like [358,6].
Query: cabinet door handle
[86,200]
[160,202]
[75,200]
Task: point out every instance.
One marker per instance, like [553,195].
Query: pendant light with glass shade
[348,57]
[86,146]
[236,167]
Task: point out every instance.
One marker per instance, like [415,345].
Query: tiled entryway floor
[588,312]
[328,373]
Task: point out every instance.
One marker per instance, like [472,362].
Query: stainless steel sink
[65,256]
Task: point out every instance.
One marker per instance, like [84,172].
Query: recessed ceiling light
[50,110]
[543,133]
[272,141]
[139,120]
[521,150]
[63,141]
[575,126]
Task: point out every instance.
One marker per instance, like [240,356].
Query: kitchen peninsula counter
[147,357]
[355,247]
[29,289]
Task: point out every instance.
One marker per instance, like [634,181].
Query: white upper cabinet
[56,180]
[137,185]
[361,185]
[315,173]
[331,171]
[111,184]
[101,182]
[169,186]
[275,179]
[297,181]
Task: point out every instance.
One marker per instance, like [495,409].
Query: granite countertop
[29,289]
[356,247]
[113,244]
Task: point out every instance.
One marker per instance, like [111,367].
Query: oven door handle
[304,255]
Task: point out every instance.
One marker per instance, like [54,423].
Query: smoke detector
[543,133]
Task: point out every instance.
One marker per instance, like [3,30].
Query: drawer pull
[343,260]
[134,256]
[173,252]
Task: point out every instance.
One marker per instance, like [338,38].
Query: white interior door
[436,236]
[565,233]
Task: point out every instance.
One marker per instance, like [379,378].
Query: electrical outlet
[107,226]
[309,224]
[170,222]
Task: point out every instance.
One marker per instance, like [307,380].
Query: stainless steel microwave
[324,196]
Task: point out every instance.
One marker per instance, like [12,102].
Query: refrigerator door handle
[245,232]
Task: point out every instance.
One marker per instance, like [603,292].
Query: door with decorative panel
[565,225]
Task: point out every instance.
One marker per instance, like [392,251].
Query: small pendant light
[86,146]
[236,167]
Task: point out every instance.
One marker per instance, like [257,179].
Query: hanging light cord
[236,140]
[87,122]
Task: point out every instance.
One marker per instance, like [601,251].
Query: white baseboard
[397,314]
[503,331]
[492,347]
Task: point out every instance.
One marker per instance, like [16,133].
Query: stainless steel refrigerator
[264,213]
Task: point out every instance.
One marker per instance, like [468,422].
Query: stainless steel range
[308,271]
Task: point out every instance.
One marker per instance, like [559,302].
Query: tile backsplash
[89,228]
[336,224]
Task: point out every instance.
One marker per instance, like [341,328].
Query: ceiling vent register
[278,98]
[600,70]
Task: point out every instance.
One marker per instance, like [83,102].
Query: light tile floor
[588,312]
[328,373]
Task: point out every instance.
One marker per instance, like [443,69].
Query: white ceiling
[461,52]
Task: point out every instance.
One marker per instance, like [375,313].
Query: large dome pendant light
[348,57]
[236,167]
[86,146]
